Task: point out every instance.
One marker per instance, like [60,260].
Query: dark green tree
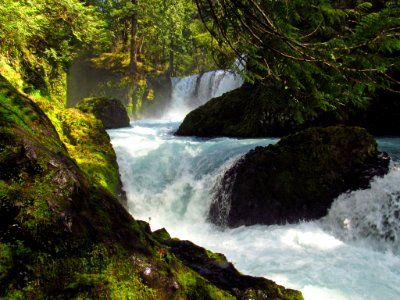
[324,53]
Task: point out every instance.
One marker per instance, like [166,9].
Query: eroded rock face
[110,111]
[298,178]
[215,268]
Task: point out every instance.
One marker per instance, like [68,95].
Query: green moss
[161,235]
[87,274]
[6,261]
[217,257]
[196,287]
[250,111]
[63,235]
[87,143]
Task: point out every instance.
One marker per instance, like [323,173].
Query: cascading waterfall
[353,253]
[190,92]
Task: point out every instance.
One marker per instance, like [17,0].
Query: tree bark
[134,29]
[171,67]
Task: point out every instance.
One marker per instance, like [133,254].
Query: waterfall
[192,91]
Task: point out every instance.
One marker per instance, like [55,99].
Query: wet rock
[261,109]
[298,178]
[215,268]
[249,111]
[110,111]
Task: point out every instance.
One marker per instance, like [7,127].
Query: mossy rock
[249,111]
[298,178]
[215,268]
[262,109]
[110,111]
[65,237]
[88,144]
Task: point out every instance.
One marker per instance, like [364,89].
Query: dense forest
[327,43]
[65,232]
[326,54]
[39,40]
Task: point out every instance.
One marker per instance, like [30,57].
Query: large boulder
[298,178]
[249,111]
[45,198]
[110,111]
[262,109]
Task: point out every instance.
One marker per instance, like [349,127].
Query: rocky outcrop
[110,111]
[45,197]
[64,237]
[260,110]
[215,268]
[298,178]
[249,111]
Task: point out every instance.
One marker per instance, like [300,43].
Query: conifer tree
[324,53]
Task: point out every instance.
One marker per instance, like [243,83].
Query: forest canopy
[325,53]
[39,39]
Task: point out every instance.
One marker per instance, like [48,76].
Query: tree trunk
[134,29]
[171,69]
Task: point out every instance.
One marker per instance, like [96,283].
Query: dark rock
[260,109]
[215,268]
[249,111]
[298,178]
[110,111]
[160,89]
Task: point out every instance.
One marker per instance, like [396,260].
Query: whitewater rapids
[351,254]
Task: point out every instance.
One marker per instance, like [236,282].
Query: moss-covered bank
[87,144]
[65,236]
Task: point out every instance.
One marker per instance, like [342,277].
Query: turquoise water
[353,253]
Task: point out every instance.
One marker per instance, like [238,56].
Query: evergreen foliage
[39,38]
[167,32]
[325,53]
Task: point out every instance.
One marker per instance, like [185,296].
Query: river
[353,253]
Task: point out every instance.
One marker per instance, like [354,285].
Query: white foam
[170,179]
[192,91]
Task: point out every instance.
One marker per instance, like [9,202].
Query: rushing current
[353,253]
[193,91]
